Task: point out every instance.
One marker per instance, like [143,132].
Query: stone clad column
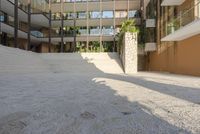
[130,53]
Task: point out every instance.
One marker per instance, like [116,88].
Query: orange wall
[181,57]
[23,44]
[44,48]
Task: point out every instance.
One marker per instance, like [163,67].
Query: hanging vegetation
[127,26]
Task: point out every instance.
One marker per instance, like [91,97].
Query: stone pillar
[130,54]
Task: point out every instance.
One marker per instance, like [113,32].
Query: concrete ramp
[84,62]
[14,60]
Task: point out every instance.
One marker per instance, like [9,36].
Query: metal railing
[183,19]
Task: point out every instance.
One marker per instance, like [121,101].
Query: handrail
[191,8]
[182,19]
[187,11]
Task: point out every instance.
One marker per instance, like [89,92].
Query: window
[82,15]
[134,14]
[95,30]
[95,15]
[107,14]
[107,30]
[120,14]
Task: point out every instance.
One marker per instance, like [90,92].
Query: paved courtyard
[81,97]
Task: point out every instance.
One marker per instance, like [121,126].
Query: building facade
[65,25]
[171,33]
[173,36]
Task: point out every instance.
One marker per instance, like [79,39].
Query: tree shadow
[75,99]
[182,92]
[185,93]
[115,114]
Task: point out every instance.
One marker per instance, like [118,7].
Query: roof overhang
[172,2]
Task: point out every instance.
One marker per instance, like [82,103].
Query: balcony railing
[183,19]
[9,20]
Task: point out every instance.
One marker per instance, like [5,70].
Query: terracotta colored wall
[22,44]
[44,48]
[182,57]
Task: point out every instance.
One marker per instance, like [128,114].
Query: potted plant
[173,25]
[127,26]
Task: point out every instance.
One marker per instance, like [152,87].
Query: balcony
[38,19]
[172,2]
[95,5]
[184,26]
[150,23]
[150,47]
[9,29]
[150,39]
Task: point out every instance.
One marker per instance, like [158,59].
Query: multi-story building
[173,36]
[65,25]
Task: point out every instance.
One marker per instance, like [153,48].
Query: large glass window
[107,14]
[68,16]
[82,30]
[95,30]
[37,34]
[2,17]
[55,1]
[107,30]
[134,14]
[70,31]
[93,0]
[81,0]
[82,15]
[95,14]
[121,14]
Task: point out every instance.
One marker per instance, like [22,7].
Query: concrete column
[87,43]
[16,23]
[74,34]
[74,31]
[101,47]
[4,39]
[62,31]
[158,23]
[130,53]
[50,25]
[29,25]
[114,25]
[4,35]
